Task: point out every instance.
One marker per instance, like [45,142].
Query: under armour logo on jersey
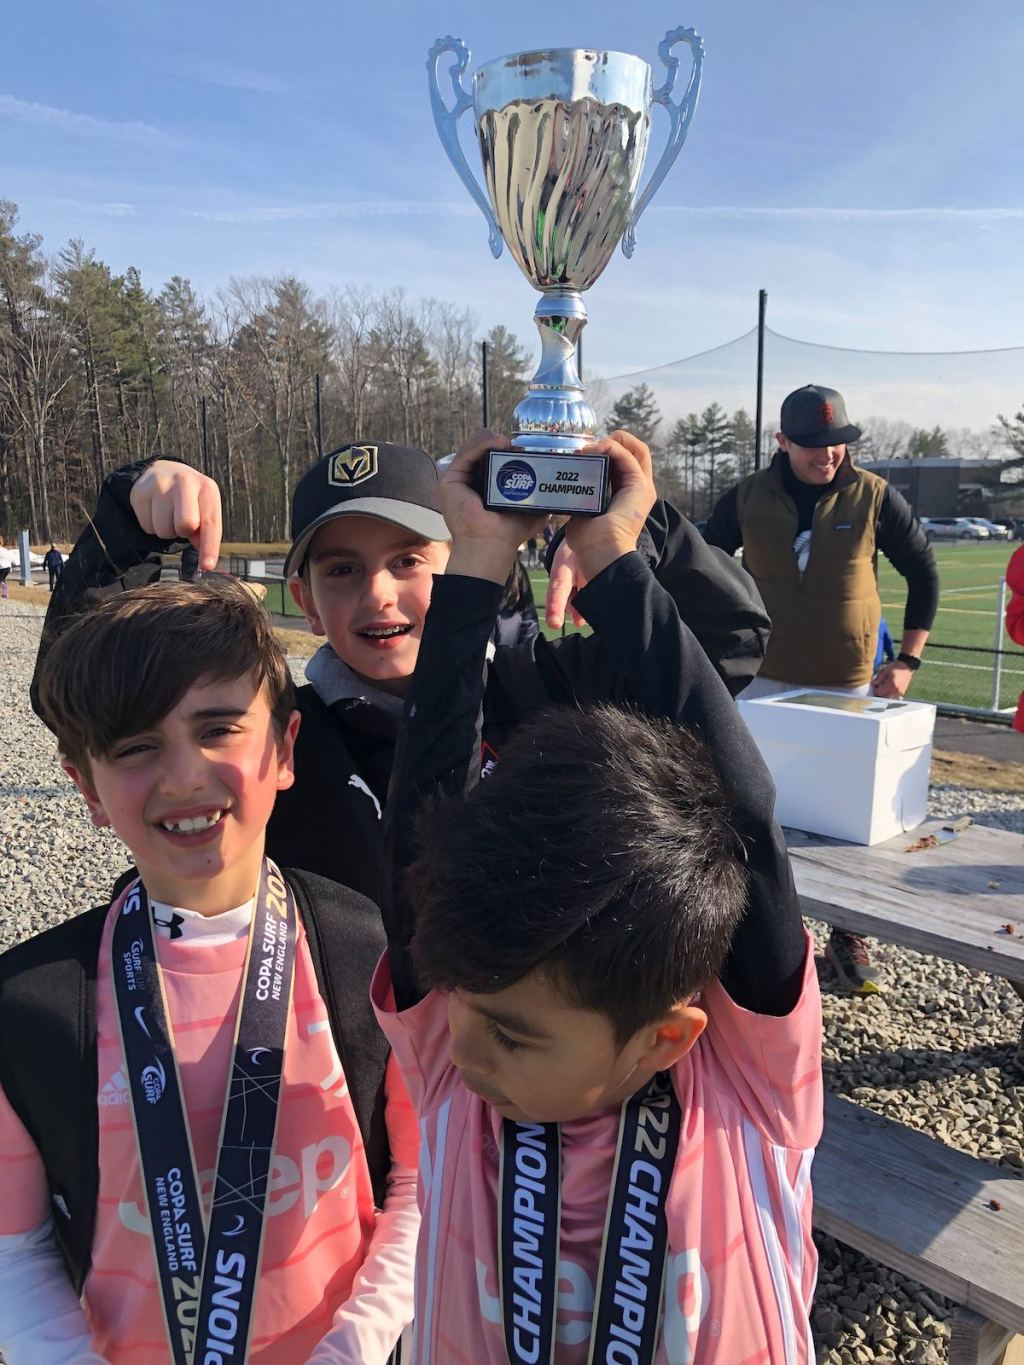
[356,781]
[172,925]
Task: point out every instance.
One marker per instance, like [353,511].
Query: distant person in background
[517,622]
[53,562]
[811,526]
[189,564]
[1015,616]
[6,564]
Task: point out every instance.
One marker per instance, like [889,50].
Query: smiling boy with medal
[210,1151]
[599,989]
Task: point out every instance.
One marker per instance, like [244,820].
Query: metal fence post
[26,558]
[997,663]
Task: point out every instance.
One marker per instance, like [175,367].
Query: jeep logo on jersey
[352,465]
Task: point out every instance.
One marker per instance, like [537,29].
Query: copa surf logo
[516,480]
[154,1081]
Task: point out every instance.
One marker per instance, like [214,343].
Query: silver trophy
[562,138]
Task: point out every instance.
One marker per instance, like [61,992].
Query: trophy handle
[447,121]
[680,115]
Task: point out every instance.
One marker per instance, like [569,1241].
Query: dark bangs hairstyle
[121,667]
[601,849]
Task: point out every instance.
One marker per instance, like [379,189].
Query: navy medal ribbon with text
[630,1281]
[207,1276]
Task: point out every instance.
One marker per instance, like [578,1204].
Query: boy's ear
[673,1037]
[83,782]
[286,752]
[303,599]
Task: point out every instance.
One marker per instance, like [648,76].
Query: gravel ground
[934,1052]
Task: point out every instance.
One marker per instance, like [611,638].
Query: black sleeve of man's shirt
[723,528]
[641,652]
[111,554]
[905,546]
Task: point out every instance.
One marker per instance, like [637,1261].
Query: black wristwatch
[910,661]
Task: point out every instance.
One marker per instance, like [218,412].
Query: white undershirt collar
[176,924]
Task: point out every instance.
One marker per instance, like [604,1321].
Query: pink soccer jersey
[741,1265]
[320,1208]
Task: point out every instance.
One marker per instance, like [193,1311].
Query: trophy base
[562,483]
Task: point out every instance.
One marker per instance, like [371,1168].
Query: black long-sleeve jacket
[643,654]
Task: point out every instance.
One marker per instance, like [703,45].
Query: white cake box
[851,767]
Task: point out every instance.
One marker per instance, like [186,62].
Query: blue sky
[862,161]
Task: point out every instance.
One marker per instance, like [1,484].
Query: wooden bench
[948,1220]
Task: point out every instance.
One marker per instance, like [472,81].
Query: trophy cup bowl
[562,135]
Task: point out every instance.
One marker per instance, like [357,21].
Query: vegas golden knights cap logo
[352,465]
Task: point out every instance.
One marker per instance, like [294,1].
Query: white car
[953,528]
[996,532]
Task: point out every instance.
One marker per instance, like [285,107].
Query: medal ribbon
[207,1276]
[630,1281]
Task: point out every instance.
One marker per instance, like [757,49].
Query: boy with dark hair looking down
[599,989]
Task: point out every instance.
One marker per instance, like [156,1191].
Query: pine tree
[508,377]
[928,443]
[637,412]
[716,445]
[681,454]
[741,430]
[1012,434]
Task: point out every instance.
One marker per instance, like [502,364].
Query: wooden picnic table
[945,1218]
[962,900]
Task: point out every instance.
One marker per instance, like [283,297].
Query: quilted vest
[825,621]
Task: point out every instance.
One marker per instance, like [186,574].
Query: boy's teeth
[191,823]
[384,632]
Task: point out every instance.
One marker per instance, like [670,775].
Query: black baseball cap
[399,484]
[815,416]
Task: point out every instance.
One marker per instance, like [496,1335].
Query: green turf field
[970,575]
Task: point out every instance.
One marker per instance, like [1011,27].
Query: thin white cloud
[404,208]
[69,121]
[232,78]
[105,209]
[319,212]
[936,214]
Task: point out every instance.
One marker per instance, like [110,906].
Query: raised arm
[715,596]
[144,509]
[439,743]
[641,654]
[665,671]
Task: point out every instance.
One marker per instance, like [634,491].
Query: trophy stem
[555,414]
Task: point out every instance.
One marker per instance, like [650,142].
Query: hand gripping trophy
[562,138]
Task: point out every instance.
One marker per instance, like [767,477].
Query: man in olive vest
[811,526]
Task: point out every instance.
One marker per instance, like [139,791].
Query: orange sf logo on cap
[352,465]
[826,414]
